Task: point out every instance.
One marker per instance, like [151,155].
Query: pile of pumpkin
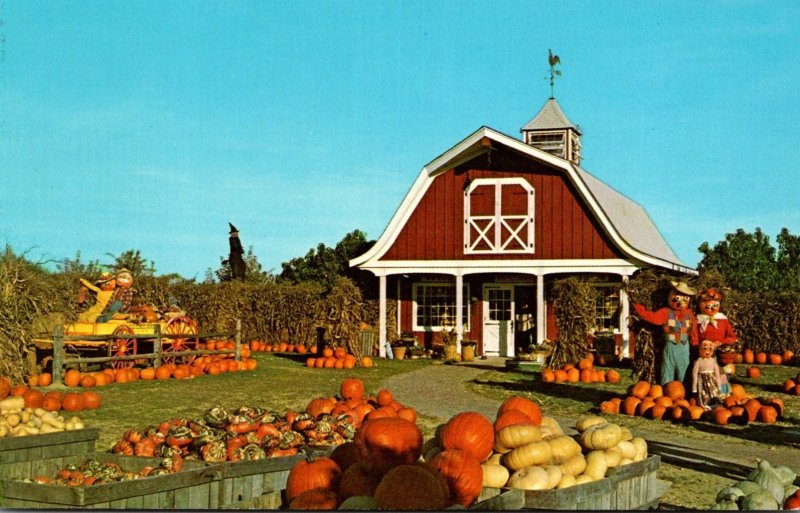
[52,401]
[259,346]
[94,472]
[583,372]
[17,419]
[354,402]
[767,487]
[748,356]
[246,433]
[387,466]
[337,358]
[198,367]
[669,402]
[792,386]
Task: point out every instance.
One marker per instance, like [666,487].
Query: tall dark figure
[235,258]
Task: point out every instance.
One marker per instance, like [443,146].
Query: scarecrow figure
[103,289]
[706,376]
[679,331]
[714,326]
[122,299]
[235,260]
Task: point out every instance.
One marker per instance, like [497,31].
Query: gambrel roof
[550,117]
[626,223]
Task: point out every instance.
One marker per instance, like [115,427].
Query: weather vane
[554,60]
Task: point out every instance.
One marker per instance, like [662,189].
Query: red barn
[490,224]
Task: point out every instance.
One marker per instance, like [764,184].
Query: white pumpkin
[529,478]
[596,465]
[534,453]
[494,476]
[585,423]
[601,436]
[511,437]
[566,481]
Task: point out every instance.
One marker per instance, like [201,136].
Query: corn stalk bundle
[574,310]
[650,289]
[342,308]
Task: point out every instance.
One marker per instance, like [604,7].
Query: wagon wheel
[122,346]
[181,325]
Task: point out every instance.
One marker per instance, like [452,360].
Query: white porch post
[382,316]
[541,314]
[459,308]
[623,319]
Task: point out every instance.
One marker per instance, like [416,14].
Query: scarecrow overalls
[675,358]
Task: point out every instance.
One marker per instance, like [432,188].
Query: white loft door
[498,315]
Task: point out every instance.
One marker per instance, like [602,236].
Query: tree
[254,274]
[133,261]
[75,267]
[325,265]
[746,260]
[789,260]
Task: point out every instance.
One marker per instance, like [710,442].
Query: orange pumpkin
[738,391]
[5,387]
[310,361]
[510,418]
[412,487]
[72,401]
[327,352]
[767,415]
[629,405]
[523,404]
[148,373]
[721,416]
[586,376]
[386,442]
[351,388]
[644,406]
[307,475]
[471,432]
[163,372]
[548,376]
[788,386]
[366,362]
[72,378]
[761,357]
[656,391]
[91,400]
[775,359]
[751,407]
[753,372]
[748,356]
[639,389]
[664,401]
[777,403]
[612,376]
[674,390]
[88,381]
[585,364]
[45,379]
[51,403]
[786,357]
[609,407]
[695,412]
[573,375]
[560,375]
[656,412]
[33,398]
[356,480]
[408,413]
[463,473]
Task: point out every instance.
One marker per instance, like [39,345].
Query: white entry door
[498,324]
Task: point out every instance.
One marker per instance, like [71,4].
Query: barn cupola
[550,130]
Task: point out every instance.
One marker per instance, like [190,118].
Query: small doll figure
[103,290]
[713,325]
[679,331]
[706,376]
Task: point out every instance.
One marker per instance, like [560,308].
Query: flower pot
[399,352]
[450,352]
[467,352]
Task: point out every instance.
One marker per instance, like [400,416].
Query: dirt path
[440,391]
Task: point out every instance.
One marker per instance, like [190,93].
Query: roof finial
[553,60]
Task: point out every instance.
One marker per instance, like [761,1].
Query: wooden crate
[254,484]
[629,487]
[196,487]
[28,456]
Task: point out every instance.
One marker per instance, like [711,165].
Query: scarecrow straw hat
[683,288]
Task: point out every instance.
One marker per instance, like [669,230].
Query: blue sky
[149,125]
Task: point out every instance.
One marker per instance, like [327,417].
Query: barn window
[435,306]
[498,216]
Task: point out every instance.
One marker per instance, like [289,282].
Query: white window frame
[416,294]
[492,233]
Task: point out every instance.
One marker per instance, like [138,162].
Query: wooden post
[157,344]
[58,353]
[238,356]
[320,340]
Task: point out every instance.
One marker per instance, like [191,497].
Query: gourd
[566,481]
[511,437]
[596,465]
[601,436]
[627,449]
[766,478]
[574,466]
[562,448]
[584,478]
[359,502]
[552,424]
[495,459]
[729,493]
[748,487]
[641,448]
[534,453]
[786,474]
[586,422]
[725,506]
[529,478]
[494,476]
[761,500]
[626,433]
[613,457]
[554,476]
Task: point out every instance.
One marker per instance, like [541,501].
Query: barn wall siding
[564,225]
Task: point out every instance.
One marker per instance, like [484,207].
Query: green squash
[786,474]
[766,477]
[762,501]
[725,506]
[748,487]
[729,493]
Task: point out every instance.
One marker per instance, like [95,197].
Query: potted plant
[399,348]
[468,350]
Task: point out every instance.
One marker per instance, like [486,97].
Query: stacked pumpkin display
[22,397]
[354,403]
[258,345]
[763,358]
[669,402]
[337,358]
[583,372]
[18,419]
